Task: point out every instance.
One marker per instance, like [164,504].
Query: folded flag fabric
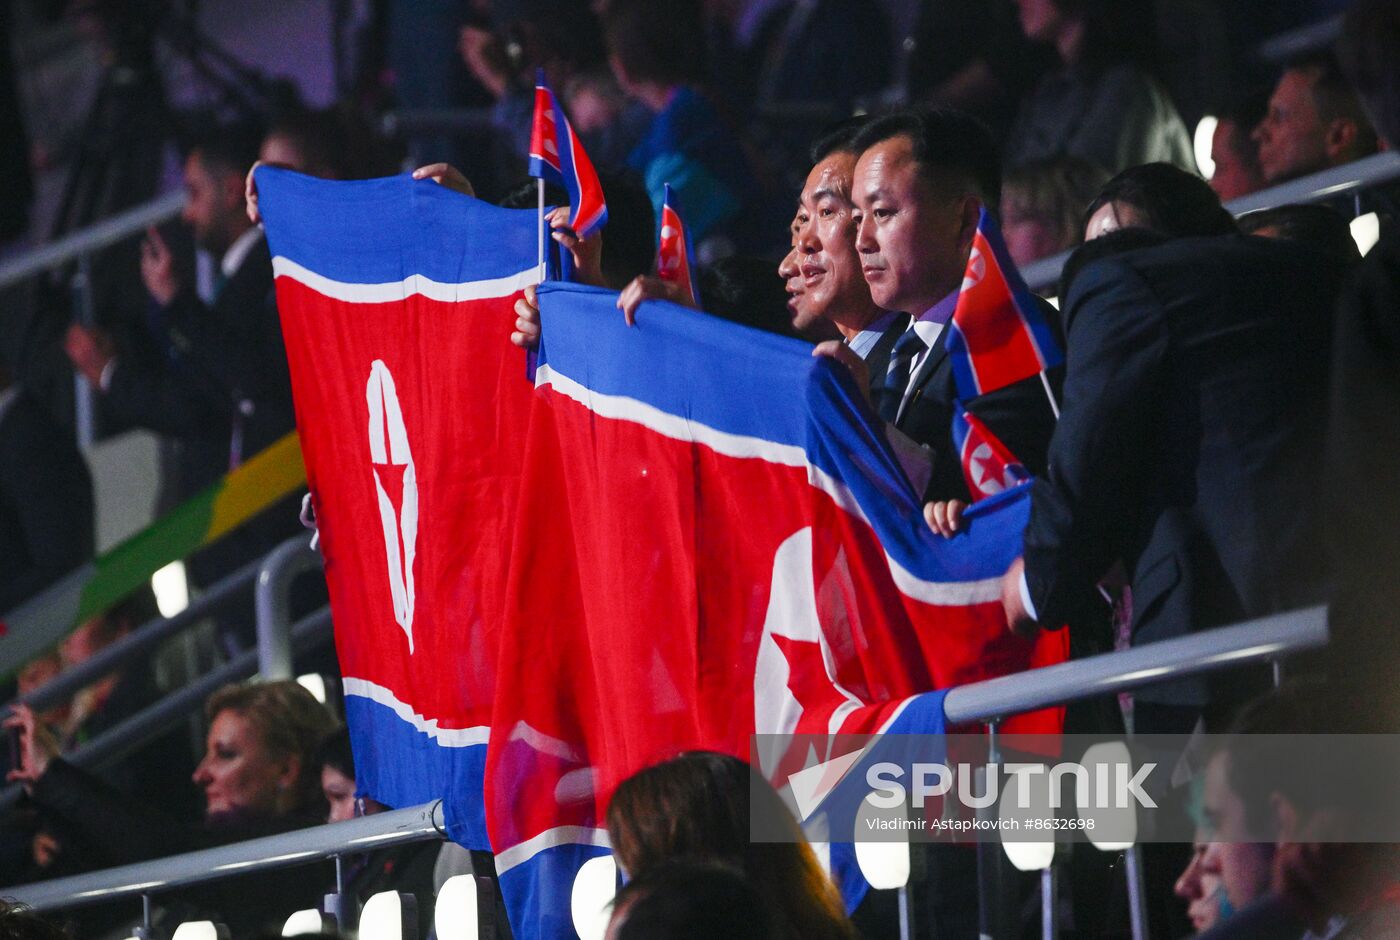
[556,154]
[998,334]
[396,303]
[674,252]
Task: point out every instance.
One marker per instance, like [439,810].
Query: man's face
[1236,168]
[790,270]
[825,242]
[1234,854]
[913,240]
[1292,137]
[209,205]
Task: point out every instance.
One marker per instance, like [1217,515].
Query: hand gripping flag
[987,464]
[673,253]
[396,300]
[556,154]
[998,335]
[716,542]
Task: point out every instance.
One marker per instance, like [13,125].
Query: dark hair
[1246,110]
[229,148]
[1369,51]
[334,752]
[629,237]
[1263,759]
[697,805]
[745,290]
[1114,243]
[659,43]
[18,922]
[947,143]
[690,900]
[1334,97]
[1054,191]
[1176,203]
[1322,227]
[838,137]
[320,137]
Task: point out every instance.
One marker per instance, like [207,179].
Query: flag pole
[1049,395]
[539,189]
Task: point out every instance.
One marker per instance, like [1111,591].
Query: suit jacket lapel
[936,355]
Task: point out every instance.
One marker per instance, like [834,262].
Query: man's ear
[971,215]
[1285,818]
[1339,139]
[290,773]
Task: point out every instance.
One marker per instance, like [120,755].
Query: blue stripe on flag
[398,765]
[396,210]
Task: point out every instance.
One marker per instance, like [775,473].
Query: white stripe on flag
[562,835]
[446,737]
[413,284]
[934,593]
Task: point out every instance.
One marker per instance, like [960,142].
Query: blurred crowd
[1217,447]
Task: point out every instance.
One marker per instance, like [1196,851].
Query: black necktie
[906,349]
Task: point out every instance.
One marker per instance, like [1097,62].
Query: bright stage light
[389,915]
[171,588]
[309,921]
[1205,136]
[1119,820]
[595,886]
[456,916]
[200,930]
[1034,791]
[1366,231]
[884,864]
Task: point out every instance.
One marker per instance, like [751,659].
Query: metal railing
[1265,640]
[79,247]
[1337,181]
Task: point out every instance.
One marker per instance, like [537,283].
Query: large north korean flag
[395,297]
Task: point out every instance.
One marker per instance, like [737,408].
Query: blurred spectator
[46,508]
[1101,104]
[1363,537]
[1203,892]
[1160,197]
[407,868]
[1287,824]
[558,36]
[697,806]
[1234,152]
[689,900]
[257,777]
[1314,122]
[1320,226]
[609,122]
[972,55]
[217,381]
[658,61]
[1042,206]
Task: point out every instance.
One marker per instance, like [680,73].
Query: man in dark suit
[46,510]
[1188,446]
[920,185]
[217,381]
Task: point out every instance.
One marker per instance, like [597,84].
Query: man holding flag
[921,185]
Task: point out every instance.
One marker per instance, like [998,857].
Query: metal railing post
[272,598]
[85,314]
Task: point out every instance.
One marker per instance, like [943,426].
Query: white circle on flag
[976,270]
[667,232]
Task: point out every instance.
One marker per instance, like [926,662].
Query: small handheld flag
[673,252]
[988,465]
[998,335]
[556,154]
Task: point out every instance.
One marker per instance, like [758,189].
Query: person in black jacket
[46,507]
[1188,446]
